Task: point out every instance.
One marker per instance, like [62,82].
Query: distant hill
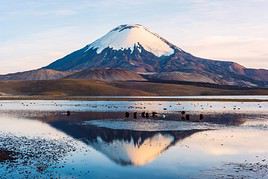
[40,74]
[107,75]
[74,87]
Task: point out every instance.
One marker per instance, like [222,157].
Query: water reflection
[100,145]
[125,147]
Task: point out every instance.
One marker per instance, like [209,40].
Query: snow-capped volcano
[135,48]
[131,36]
[129,47]
[134,53]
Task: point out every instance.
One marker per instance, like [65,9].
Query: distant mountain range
[134,53]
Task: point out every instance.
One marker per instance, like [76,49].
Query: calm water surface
[97,141]
[122,106]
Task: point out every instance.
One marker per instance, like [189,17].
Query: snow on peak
[129,36]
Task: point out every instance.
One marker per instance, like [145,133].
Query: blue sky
[35,33]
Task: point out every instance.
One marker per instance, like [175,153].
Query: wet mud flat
[250,170]
[6,155]
[24,157]
[222,98]
[256,170]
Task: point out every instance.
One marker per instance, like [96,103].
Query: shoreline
[135,98]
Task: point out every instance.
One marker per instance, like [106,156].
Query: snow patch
[131,36]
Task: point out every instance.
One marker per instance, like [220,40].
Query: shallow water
[47,143]
[117,106]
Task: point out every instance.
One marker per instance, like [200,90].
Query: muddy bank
[6,155]
[256,170]
[130,98]
[31,156]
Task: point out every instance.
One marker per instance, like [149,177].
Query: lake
[97,139]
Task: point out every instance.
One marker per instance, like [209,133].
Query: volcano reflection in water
[124,147]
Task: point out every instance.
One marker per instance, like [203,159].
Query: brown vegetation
[71,87]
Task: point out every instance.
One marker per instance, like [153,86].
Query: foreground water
[97,141]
